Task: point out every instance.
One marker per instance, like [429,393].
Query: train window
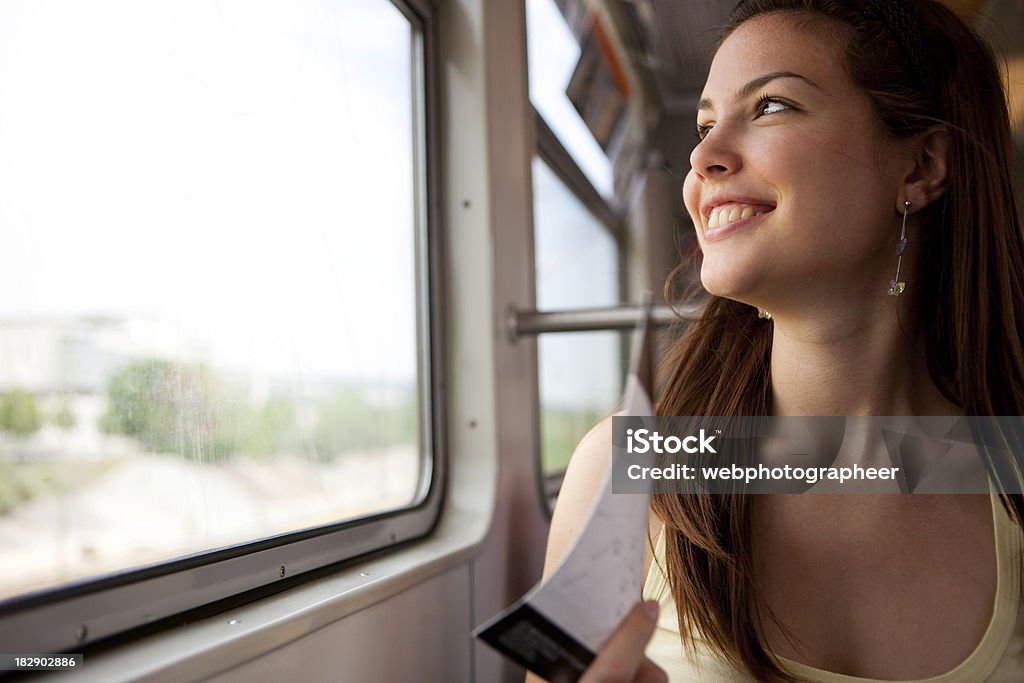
[214,310]
[577,266]
[553,53]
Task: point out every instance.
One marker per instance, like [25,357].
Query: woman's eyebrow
[758,83]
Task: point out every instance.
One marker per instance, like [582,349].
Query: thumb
[621,656]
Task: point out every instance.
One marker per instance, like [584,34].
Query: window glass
[208,280]
[553,53]
[577,267]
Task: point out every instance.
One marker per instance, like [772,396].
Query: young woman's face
[793,189]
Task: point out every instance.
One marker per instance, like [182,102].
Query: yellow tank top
[998,658]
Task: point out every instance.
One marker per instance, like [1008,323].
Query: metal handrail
[519,322]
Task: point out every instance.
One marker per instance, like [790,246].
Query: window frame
[553,153]
[74,616]
[550,150]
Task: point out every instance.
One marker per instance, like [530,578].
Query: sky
[241,169]
[242,172]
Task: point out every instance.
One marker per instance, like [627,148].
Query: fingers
[621,659]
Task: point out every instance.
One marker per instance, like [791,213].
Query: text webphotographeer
[809,475]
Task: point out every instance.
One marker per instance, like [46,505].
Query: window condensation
[208,280]
[580,374]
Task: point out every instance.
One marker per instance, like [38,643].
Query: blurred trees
[187,409]
[19,413]
[65,416]
[348,421]
[172,408]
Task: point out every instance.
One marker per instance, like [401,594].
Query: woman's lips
[720,232]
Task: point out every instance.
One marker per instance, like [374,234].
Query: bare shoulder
[580,487]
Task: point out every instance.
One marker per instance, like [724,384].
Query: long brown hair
[921,65]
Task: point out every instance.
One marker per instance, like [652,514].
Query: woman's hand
[621,659]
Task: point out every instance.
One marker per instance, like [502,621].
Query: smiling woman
[820,115]
[840,143]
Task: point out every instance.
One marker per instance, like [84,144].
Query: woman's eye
[702,131]
[770,105]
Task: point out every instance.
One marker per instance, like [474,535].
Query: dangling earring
[896,287]
[763,314]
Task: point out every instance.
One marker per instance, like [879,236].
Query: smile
[728,218]
[729,213]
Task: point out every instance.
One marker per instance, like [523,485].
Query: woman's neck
[866,365]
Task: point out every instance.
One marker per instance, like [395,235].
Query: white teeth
[723,215]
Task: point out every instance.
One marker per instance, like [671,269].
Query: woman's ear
[927,179]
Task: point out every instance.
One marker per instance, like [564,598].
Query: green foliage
[186,409]
[561,430]
[174,408]
[64,417]
[270,429]
[22,481]
[18,483]
[19,413]
[348,421]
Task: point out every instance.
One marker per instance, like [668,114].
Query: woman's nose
[715,155]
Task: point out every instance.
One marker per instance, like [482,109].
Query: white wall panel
[419,635]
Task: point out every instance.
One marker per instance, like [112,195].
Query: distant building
[78,355]
[66,364]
